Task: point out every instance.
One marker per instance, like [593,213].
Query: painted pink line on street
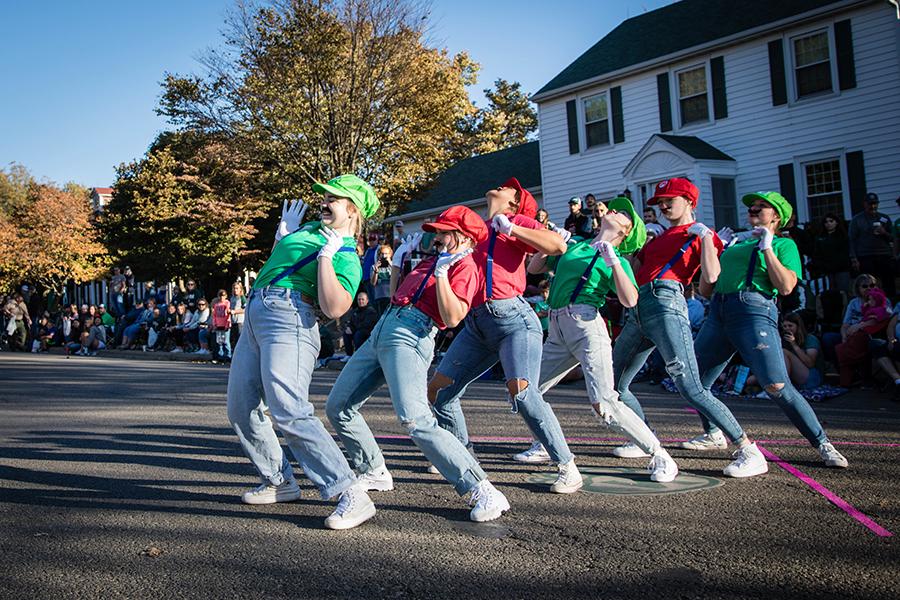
[691,410]
[523,439]
[828,494]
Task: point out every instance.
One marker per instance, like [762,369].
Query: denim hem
[338,487]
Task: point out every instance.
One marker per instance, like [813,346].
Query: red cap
[462,219]
[527,204]
[677,186]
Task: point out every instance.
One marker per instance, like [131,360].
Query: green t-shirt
[302,243]
[736,260]
[107,319]
[569,268]
[542,307]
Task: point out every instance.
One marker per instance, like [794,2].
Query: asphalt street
[121,479]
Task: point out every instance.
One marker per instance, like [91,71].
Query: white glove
[502,224]
[409,244]
[333,242]
[765,237]
[446,260]
[291,216]
[563,233]
[726,234]
[699,229]
[607,251]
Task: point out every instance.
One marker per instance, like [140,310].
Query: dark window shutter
[843,42]
[856,173]
[787,185]
[618,118]
[665,102]
[572,122]
[717,71]
[776,73]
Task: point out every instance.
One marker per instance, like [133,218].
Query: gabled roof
[695,147]
[103,190]
[674,28]
[469,179]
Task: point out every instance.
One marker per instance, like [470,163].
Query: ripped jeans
[660,320]
[747,322]
[578,335]
[398,352]
[507,330]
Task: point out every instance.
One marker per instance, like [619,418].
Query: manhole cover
[632,482]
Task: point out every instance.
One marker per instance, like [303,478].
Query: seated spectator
[175,326]
[108,320]
[876,311]
[221,325]
[886,353]
[802,353]
[196,330]
[94,339]
[43,336]
[140,325]
[359,324]
[156,332]
[853,350]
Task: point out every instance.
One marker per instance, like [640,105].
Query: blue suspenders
[489,272]
[302,263]
[675,258]
[418,295]
[584,277]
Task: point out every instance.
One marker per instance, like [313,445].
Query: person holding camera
[380,278]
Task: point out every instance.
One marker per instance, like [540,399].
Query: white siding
[757,135]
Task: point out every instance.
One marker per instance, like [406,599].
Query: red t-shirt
[465,281]
[657,254]
[221,315]
[508,275]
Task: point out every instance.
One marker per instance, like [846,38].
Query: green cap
[638,234]
[778,202]
[350,186]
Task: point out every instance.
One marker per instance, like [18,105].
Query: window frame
[674,85]
[800,164]
[791,59]
[583,129]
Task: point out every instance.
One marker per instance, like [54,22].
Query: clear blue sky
[81,78]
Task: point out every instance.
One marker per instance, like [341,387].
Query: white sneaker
[662,467]
[832,457]
[354,508]
[175,350]
[748,461]
[379,480]
[534,455]
[707,441]
[433,470]
[569,479]
[487,502]
[270,494]
[629,450]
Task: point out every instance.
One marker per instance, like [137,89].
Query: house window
[824,192]
[693,99]
[596,120]
[724,202]
[812,64]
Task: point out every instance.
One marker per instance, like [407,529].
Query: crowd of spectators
[188,322]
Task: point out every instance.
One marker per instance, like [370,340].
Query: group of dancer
[478,277]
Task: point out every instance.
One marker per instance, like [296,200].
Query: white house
[100,197]
[801,96]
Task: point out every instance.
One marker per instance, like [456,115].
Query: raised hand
[502,224]
[333,242]
[446,260]
[292,212]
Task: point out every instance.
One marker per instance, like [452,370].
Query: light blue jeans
[398,352]
[508,330]
[747,322]
[660,320]
[578,336]
[272,366]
